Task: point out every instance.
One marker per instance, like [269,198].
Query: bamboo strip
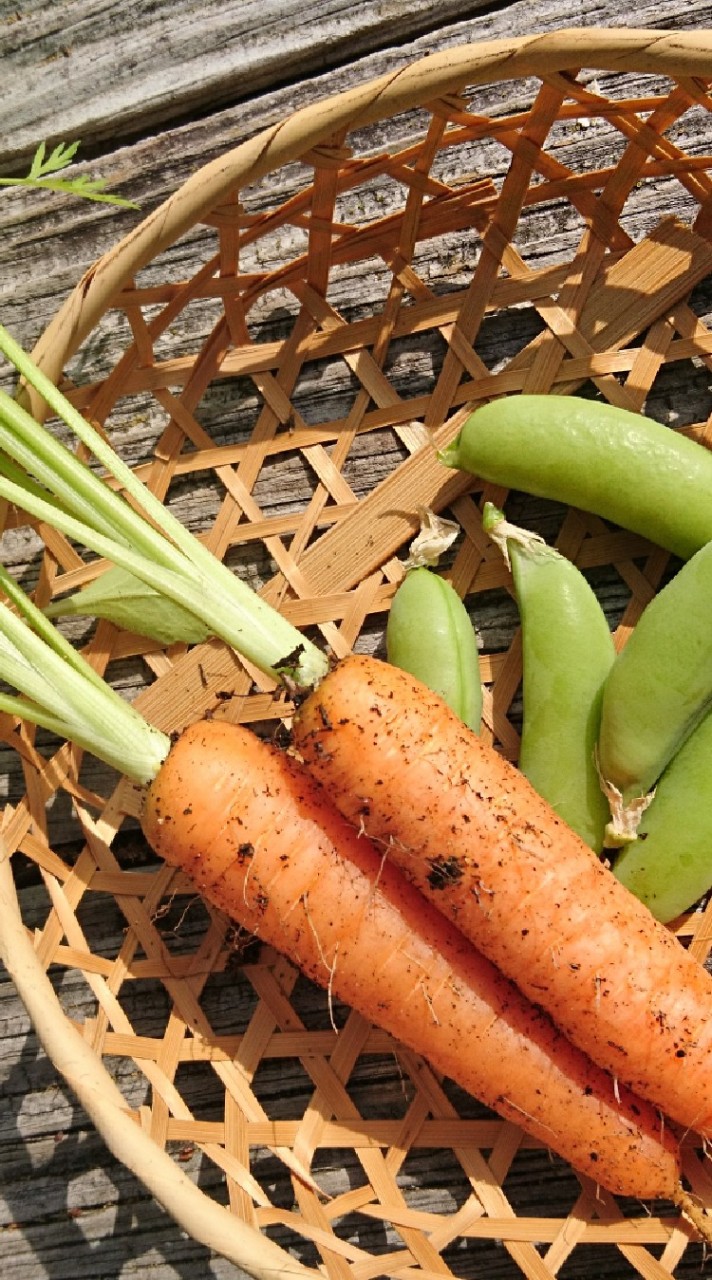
[489,250]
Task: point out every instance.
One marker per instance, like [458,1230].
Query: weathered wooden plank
[47,241]
[103,72]
[155,90]
[70,233]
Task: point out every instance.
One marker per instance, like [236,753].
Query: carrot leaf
[44,168]
[122,598]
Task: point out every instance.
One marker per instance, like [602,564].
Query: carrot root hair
[693,1210]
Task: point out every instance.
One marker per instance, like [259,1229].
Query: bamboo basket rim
[681,55]
[605,49]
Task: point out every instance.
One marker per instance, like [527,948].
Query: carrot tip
[695,1214]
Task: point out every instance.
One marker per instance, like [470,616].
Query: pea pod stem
[436,534]
[505,535]
[625,815]
[669,863]
[658,690]
[567,652]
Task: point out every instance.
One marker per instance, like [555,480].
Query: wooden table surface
[154,88]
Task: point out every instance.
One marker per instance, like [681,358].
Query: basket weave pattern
[530,230]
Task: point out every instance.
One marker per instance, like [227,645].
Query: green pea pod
[658,691]
[669,865]
[620,465]
[430,635]
[567,652]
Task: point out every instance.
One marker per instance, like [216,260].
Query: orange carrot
[262,841]
[470,831]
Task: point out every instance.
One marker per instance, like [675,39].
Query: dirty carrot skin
[261,840]
[421,977]
[270,849]
[470,831]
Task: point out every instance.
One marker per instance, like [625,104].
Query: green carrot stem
[64,694]
[154,545]
[75,486]
[43,629]
[256,631]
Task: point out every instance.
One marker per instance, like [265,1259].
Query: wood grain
[154,90]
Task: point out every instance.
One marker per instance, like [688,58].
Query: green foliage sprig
[45,167]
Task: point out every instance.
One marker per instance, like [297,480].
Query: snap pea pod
[620,465]
[658,690]
[430,635]
[567,652]
[669,865]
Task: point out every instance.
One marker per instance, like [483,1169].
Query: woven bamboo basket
[278,347]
